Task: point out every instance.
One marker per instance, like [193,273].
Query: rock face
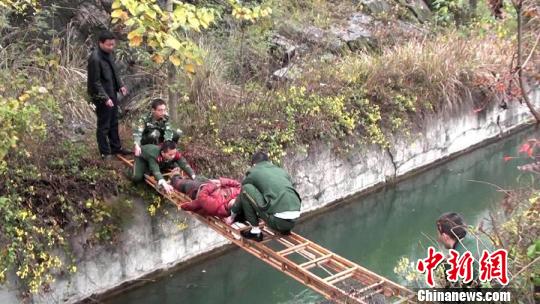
[356,33]
[418,8]
[375,7]
[154,243]
[335,178]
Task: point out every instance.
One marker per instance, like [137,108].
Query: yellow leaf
[157,58]
[175,60]
[206,19]
[133,34]
[194,23]
[135,40]
[24,97]
[173,43]
[116,4]
[132,7]
[190,68]
[117,13]
[150,13]
[153,43]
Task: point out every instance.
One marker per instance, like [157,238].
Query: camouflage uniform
[151,131]
[151,161]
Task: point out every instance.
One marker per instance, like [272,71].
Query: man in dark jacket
[103,84]
[268,194]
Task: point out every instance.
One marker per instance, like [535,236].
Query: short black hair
[157,102]
[452,224]
[106,35]
[259,157]
[167,146]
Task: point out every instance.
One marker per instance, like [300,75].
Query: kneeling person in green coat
[155,159]
[268,194]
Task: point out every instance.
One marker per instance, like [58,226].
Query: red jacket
[212,200]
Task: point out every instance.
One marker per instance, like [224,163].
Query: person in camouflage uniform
[154,127]
[156,159]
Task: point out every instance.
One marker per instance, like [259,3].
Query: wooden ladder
[329,274]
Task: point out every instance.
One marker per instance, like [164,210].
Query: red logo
[430,263]
[494,266]
[460,267]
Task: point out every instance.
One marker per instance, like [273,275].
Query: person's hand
[109,103]
[137,150]
[229,220]
[124,90]
[175,171]
[168,188]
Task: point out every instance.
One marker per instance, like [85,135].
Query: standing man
[103,84]
[268,194]
[154,127]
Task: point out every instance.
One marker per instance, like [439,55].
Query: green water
[373,231]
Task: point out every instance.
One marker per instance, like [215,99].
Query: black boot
[252,236]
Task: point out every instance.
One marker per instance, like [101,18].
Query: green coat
[474,246]
[275,186]
[152,156]
[147,124]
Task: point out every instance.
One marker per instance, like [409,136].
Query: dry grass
[438,70]
[60,65]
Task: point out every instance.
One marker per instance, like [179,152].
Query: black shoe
[123,151]
[252,236]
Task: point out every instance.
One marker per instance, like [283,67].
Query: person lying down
[213,197]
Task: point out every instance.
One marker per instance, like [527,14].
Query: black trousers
[107,129]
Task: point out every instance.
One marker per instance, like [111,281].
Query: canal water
[373,231]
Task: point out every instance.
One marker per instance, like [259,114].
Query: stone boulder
[286,74]
[356,33]
[418,8]
[375,7]
[282,49]
[315,36]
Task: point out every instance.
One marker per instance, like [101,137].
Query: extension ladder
[329,274]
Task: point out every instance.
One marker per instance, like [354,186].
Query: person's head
[159,108]
[168,150]
[107,41]
[451,228]
[258,157]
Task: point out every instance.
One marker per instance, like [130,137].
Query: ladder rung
[308,264]
[341,278]
[293,248]
[332,278]
[369,295]
[369,287]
